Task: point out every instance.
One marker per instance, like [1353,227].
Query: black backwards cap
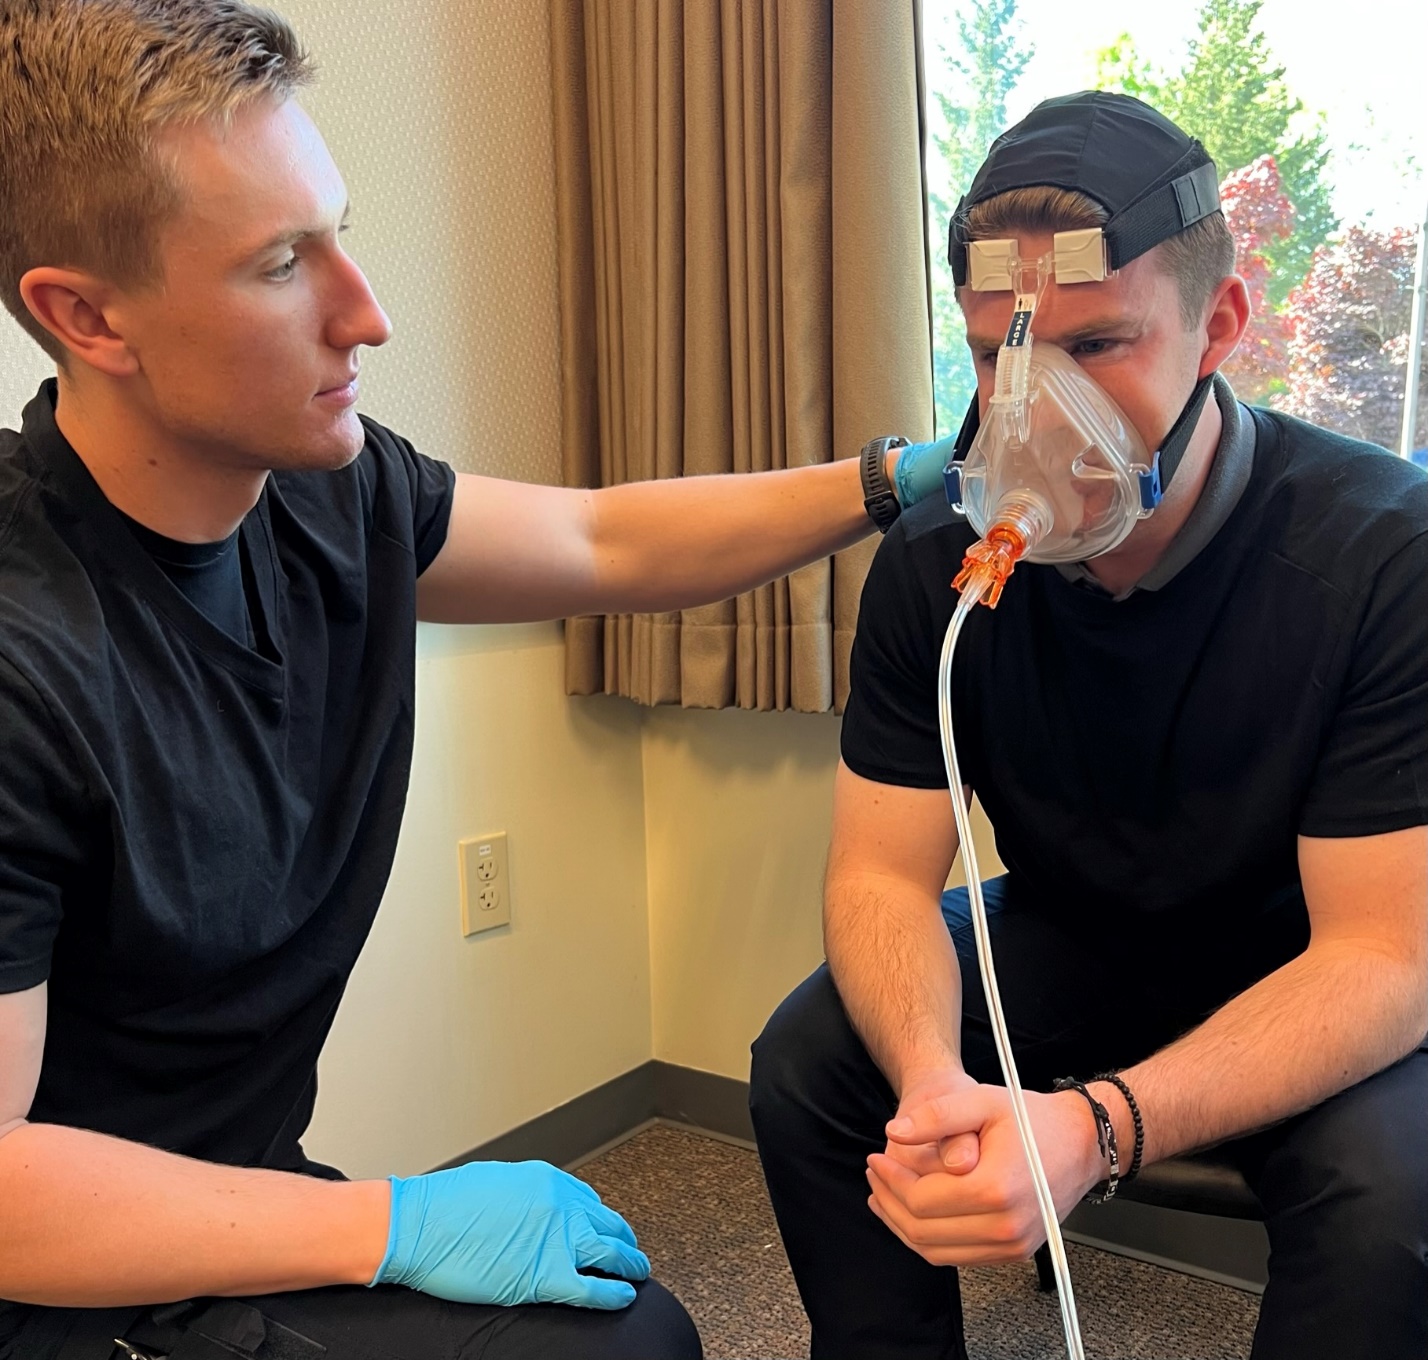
[1151,178]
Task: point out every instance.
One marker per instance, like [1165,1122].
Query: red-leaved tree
[1348,346]
[1259,216]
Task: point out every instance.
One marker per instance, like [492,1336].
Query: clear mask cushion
[1063,446]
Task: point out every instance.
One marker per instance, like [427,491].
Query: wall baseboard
[574,1132]
[1225,1250]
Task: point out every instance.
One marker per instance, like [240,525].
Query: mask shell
[1071,448]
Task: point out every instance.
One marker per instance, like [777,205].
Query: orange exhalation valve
[990,561]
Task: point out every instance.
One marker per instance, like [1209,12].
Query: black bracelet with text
[1105,1139]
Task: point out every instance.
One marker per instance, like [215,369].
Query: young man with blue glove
[211,569]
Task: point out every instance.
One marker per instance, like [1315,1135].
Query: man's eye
[1093,346]
[283,271]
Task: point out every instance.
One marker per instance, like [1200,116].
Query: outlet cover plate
[485,883]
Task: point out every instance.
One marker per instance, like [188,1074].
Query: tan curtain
[744,286]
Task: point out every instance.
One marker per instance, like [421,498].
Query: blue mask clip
[1151,491]
[952,483]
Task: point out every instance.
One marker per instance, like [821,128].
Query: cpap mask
[1054,451]
[1053,443]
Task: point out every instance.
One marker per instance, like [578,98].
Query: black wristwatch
[879,499]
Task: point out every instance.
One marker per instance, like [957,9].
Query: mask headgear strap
[952,473]
[1173,446]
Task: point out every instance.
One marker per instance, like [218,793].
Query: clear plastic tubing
[971,595]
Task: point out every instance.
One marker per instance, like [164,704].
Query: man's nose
[357,317]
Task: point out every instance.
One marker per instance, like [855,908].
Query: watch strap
[879,498]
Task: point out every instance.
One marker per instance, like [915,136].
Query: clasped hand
[954,1183]
[508,1233]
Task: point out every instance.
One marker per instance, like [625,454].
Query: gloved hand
[918,472]
[506,1233]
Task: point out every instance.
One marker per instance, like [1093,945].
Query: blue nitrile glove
[918,473]
[506,1233]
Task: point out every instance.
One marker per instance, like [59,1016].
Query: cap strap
[957,242]
[1162,213]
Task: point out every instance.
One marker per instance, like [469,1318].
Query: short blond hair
[1198,258]
[85,86]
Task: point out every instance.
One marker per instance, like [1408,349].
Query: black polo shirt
[1149,762]
[195,832]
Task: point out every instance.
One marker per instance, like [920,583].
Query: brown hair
[85,85]
[1197,258]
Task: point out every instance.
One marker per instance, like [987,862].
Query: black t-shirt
[194,833]
[1148,763]
[211,575]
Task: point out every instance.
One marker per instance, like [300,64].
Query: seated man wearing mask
[211,570]
[1198,721]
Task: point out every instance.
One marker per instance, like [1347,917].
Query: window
[1317,131]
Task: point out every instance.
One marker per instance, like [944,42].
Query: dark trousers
[387,1323]
[1344,1185]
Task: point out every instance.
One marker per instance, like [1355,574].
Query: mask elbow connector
[1021,521]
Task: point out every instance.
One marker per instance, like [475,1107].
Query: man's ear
[81,312]
[1226,318]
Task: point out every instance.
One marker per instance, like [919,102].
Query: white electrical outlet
[485,883]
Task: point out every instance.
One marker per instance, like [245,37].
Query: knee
[792,1040]
[1369,1237]
[809,1058]
[657,1327]
[1380,1216]
[1355,1180]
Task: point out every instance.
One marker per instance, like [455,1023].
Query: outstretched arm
[517,551]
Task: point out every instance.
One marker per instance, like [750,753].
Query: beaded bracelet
[1115,1079]
[1105,1139]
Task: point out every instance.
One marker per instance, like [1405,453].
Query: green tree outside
[970,93]
[1232,95]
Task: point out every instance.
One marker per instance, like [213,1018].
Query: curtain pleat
[743,287]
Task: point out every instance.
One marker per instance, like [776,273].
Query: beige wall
[737,809]
[444,1042]
[736,816]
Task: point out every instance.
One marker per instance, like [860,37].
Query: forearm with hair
[1323,1022]
[896,971]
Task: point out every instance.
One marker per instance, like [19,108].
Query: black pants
[353,1323]
[1345,1185]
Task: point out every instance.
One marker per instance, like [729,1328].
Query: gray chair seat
[1198,1182]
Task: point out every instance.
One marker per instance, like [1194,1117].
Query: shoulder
[42,579]
[17,483]
[394,494]
[918,556]
[925,539]
[1336,507]
[908,594]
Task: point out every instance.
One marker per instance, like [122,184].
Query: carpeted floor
[702,1213]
